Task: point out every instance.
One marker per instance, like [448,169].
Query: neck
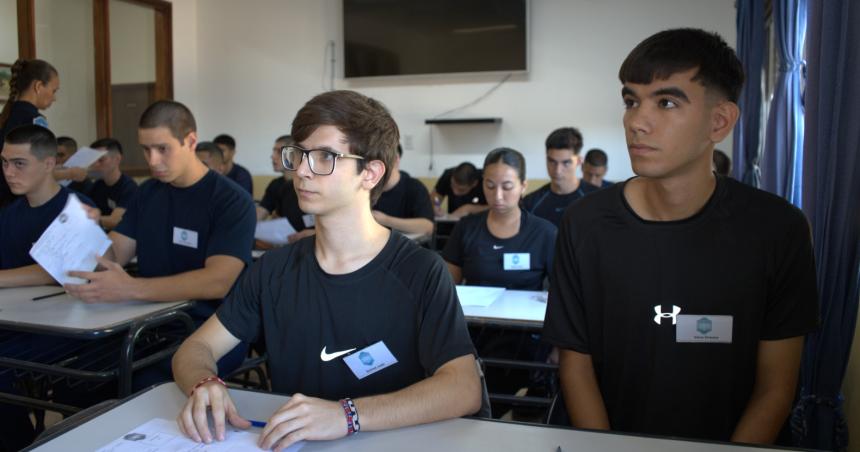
[46,191]
[366,238]
[228,166]
[508,217]
[112,177]
[393,180]
[192,174]
[28,96]
[564,188]
[672,198]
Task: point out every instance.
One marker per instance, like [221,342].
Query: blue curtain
[750,50]
[782,163]
[831,200]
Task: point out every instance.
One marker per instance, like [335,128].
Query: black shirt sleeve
[453,251]
[564,323]
[128,225]
[127,192]
[419,200]
[443,185]
[240,312]
[270,197]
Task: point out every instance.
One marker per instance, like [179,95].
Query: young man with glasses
[356,311]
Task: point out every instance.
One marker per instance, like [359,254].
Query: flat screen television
[410,37]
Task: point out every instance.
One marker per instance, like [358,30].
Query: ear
[191,141]
[724,115]
[525,188]
[372,174]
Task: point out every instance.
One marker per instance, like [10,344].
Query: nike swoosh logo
[330,356]
[498,247]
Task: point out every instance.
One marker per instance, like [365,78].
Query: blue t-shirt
[242,177]
[22,225]
[481,255]
[108,197]
[177,229]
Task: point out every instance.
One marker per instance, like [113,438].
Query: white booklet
[274,231]
[478,295]
[163,435]
[82,158]
[71,242]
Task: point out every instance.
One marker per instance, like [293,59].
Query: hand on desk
[193,420]
[110,284]
[303,418]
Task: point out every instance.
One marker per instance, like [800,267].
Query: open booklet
[163,435]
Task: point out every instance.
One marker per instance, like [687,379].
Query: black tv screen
[408,37]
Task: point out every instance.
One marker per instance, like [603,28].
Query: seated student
[462,186]
[562,159]
[324,297]
[233,170]
[78,178]
[191,229]
[29,157]
[280,198]
[112,191]
[211,155]
[722,163]
[404,204]
[594,168]
[650,341]
[505,246]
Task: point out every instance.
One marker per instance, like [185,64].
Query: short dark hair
[43,142]
[509,157]
[68,142]
[286,139]
[465,174]
[110,144]
[722,163]
[367,124]
[596,157]
[565,138]
[672,51]
[211,148]
[173,115]
[226,140]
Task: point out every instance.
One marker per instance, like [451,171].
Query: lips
[640,149]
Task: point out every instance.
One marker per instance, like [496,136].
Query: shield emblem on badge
[704,325]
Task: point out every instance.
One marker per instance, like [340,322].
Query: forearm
[262,213]
[468,209]
[444,395]
[201,284]
[110,221]
[31,275]
[191,363]
[581,392]
[410,225]
[764,416]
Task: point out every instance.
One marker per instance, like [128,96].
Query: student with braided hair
[33,87]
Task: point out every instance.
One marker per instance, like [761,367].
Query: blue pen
[258,424]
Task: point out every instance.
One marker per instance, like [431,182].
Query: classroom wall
[132,43]
[8,31]
[257,63]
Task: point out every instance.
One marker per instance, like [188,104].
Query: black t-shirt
[475,195]
[550,206]
[407,199]
[482,256]
[280,198]
[241,176]
[110,197]
[747,254]
[403,297]
[21,113]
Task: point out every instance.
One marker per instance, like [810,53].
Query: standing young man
[112,191]
[233,170]
[650,341]
[562,160]
[354,311]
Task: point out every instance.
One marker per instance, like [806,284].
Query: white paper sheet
[84,157]
[274,231]
[163,435]
[478,295]
[71,242]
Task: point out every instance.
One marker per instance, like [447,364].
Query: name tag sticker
[184,237]
[309,220]
[370,360]
[517,261]
[704,329]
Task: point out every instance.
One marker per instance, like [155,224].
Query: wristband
[207,380]
[352,425]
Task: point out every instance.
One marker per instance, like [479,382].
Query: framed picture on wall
[5,77]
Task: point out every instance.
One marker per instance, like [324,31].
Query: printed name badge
[185,237]
[517,261]
[370,360]
[704,328]
[309,221]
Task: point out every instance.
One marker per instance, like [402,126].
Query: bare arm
[773,392]
[581,393]
[30,275]
[456,273]
[468,209]
[407,225]
[110,221]
[262,213]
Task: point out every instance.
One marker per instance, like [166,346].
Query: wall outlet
[407,142]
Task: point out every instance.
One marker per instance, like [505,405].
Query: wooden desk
[166,400]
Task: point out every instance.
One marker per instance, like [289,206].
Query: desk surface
[166,400]
[65,315]
[513,308]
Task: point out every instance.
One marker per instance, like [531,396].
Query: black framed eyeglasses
[320,161]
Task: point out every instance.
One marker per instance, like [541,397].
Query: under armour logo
[658,319]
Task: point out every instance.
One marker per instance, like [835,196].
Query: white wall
[132,43]
[8,31]
[64,38]
[185,52]
[258,62]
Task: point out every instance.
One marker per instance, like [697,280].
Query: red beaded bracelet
[207,380]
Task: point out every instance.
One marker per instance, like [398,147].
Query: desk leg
[126,364]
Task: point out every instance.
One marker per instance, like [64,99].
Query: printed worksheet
[274,231]
[159,435]
[478,295]
[82,158]
[71,242]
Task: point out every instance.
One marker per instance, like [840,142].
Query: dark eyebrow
[625,91]
[671,91]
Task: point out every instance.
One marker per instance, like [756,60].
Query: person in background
[722,163]
[562,159]
[112,190]
[77,177]
[462,186]
[280,200]
[32,87]
[594,168]
[404,204]
[233,170]
[212,156]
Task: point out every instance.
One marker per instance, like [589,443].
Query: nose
[637,120]
[304,168]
